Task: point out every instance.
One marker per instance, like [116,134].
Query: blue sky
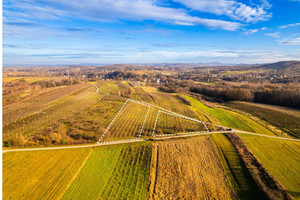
[56,32]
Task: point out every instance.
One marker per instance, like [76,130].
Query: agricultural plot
[108,87]
[188,169]
[239,176]
[170,124]
[125,90]
[17,111]
[128,123]
[28,79]
[280,157]
[287,120]
[149,125]
[227,118]
[41,174]
[172,103]
[113,173]
[136,119]
[86,126]
[27,130]
[142,95]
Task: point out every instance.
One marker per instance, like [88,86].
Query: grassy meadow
[280,158]
[286,119]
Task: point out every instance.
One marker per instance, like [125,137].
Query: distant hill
[282,65]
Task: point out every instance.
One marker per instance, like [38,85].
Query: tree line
[275,94]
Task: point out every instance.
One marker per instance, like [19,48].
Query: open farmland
[28,79]
[41,174]
[172,124]
[227,117]
[286,119]
[27,130]
[128,123]
[36,103]
[113,173]
[188,169]
[87,173]
[280,158]
[88,125]
[237,171]
[211,166]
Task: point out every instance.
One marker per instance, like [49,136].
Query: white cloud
[107,10]
[263,28]
[231,8]
[290,41]
[190,54]
[274,35]
[290,25]
[251,31]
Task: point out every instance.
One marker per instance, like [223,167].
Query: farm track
[166,137]
[141,140]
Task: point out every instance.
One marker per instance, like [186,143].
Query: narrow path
[142,140]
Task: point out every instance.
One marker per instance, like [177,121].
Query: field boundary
[112,121]
[142,128]
[180,116]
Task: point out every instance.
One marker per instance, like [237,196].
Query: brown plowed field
[188,169]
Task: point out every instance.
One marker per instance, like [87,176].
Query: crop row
[188,169]
[287,120]
[31,125]
[128,123]
[170,124]
[22,109]
[170,102]
[130,175]
[114,173]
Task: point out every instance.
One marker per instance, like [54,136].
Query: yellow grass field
[28,79]
[188,169]
[41,174]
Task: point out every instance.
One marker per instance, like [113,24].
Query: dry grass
[28,79]
[128,123]
[29,130]
[188,169]
[40,174]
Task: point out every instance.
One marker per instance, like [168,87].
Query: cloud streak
[233,9]
[290,41]
[108,11]
[290,25]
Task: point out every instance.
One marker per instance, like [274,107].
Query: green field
[89,173]
[286,119]
[237,171]
[116,173]
[281,158]
[227,118]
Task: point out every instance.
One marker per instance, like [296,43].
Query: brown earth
[188,169]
